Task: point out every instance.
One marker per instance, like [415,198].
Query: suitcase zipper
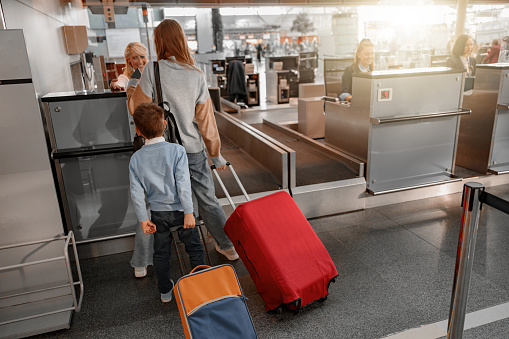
[197,308]
[245,254]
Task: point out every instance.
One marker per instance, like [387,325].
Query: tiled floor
[396,266]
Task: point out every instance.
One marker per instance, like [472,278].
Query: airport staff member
[362,63]
[461,58]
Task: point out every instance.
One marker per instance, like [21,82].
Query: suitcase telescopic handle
[199,267]
[213,168]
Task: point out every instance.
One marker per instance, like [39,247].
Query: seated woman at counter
[362,63]
[135,57]
[461,58]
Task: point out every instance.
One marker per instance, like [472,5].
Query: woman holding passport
[135,58]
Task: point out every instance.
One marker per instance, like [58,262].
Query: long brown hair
[364,43]
[170,40]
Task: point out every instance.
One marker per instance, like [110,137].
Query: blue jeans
[202,186]
[143,248]
[164,221]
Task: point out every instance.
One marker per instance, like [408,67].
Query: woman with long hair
[184,87]
[363,62]
[136,56]
[461,58]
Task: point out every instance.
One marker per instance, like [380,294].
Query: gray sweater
[186,91]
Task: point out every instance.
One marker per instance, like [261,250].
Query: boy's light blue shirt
[161,170]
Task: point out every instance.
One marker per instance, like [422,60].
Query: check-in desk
[403,124]
[483,144]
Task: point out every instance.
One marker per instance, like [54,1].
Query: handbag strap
[172,124]
[157,76]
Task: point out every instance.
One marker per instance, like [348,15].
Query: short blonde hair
[134,48]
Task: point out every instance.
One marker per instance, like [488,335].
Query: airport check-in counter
[483,144]
[268,156]
[403,124]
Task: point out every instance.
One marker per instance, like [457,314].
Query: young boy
[160,170]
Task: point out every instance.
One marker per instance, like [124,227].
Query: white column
[461,17]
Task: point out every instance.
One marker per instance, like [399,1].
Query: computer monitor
[289,62]
[218,66]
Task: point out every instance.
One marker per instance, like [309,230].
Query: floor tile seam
[420,237]
[370,267]
[415,213]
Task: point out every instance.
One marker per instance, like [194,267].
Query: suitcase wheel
[277,310]
[322,299]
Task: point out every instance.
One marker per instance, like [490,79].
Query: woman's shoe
[140,272]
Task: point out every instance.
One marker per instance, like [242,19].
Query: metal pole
[144,12]
[464,258]
[461,15]
[2,17]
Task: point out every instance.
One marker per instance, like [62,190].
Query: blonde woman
[362,63]
[135,57]
[184,87]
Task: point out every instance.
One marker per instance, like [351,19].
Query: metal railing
[71,284]
[473,198]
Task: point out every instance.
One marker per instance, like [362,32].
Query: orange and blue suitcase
[282,253]
[212,305]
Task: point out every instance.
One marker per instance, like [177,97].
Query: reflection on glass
[97,191]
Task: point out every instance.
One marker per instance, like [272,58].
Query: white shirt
[154,140]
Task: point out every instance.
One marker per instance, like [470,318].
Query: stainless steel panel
[347,127]
[96,195]
[413,183]
[476,130]
[271,86]
[20,125]
[101,248]
[352,163]
[17,66]
[417,94]
[487,79]
[330,198]
[269,156]
[85,123]
[500,153]
[412,149]
[504,88]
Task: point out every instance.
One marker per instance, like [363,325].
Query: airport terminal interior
[386,121]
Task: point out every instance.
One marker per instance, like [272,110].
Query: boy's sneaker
[166,297]
[140,272]
[229,253]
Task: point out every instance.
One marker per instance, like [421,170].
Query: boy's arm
[137,194]
[149,227]
[189,221]
[183,181]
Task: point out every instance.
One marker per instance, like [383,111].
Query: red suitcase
[287,262]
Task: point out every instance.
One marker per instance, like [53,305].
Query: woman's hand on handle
[222,167]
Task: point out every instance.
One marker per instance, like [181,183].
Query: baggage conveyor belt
[312,166]
[254,177]
[271,157]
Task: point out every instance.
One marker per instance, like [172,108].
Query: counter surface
[66,96]
[397,73]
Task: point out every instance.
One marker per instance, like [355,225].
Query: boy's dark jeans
[165,220]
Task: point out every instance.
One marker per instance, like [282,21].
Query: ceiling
[225,3]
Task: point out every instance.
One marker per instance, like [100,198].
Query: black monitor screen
[218,66]
[289,62]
